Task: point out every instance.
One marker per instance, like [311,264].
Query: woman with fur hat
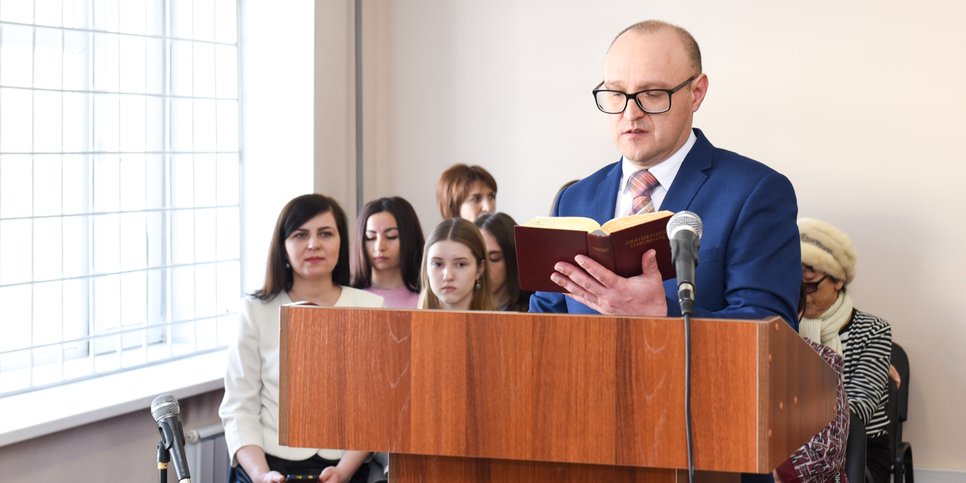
[864,340]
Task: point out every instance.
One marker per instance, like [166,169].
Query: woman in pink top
[387,251]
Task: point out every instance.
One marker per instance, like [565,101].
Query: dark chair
[855,450]
[898,412]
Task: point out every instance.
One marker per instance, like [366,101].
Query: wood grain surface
[587,390]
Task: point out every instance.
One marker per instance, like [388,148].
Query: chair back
[894,428]
[902,470]
[901,362]
[855,450]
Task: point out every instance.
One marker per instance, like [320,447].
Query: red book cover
[617,245]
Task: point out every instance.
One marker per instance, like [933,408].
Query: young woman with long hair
[387,251]
[454,268]
[501,262]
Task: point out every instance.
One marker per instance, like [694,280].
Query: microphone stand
[163,459]
[687,395]
[684,231]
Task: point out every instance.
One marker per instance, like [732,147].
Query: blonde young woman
[308,261]
[454,273]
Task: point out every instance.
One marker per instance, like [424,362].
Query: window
[119,185]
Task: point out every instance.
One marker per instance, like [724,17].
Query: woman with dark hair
[387,251]
[501,262]
[465,192]
[308,260]
[454,268]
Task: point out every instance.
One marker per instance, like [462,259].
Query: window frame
[164,334]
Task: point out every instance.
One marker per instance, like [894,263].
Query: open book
[617,244]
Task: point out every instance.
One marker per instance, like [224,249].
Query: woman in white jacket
[308,261]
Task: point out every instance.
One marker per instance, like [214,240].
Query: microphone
[165,410]
[684,232]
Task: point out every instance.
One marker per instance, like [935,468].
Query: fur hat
[827,249]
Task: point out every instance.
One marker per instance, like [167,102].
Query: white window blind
[119,185]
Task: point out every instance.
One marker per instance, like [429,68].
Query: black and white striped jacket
[867,347]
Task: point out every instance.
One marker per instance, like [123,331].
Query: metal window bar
[39,349]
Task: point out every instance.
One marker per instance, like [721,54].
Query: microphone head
[684,220]
[164,406]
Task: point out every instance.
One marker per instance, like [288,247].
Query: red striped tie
[642,184]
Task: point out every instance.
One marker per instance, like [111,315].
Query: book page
[633,220]
[576,223]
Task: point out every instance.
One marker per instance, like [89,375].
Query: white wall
[858,103]
[277,120]
[334,128]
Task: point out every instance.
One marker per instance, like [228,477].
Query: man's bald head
[687,41]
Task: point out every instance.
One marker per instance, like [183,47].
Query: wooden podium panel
[419,468]
[544,390]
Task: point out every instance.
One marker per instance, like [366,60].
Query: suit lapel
[601,207]
[691,175]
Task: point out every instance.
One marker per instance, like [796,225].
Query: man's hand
[611,294]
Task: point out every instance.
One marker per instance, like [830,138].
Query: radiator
[207,454]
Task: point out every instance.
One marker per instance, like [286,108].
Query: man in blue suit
[749,258]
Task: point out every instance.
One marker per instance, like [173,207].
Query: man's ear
[699,88]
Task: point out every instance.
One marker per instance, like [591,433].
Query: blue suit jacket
[749,261]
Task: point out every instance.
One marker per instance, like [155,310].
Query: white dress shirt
[665,172]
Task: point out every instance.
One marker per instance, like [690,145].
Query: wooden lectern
[502,397]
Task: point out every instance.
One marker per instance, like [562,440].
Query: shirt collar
[665,171]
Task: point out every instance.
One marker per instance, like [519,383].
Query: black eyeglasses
[812,287]
[651,101]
